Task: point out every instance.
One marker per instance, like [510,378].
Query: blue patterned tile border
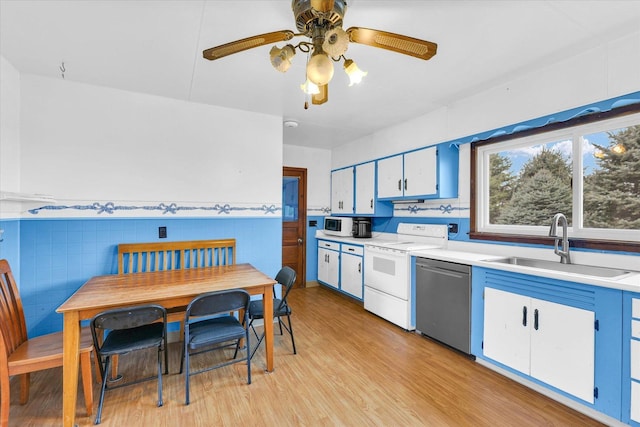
[443,209]
[171,208]
[319,210]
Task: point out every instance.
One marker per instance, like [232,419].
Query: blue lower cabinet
[562,335]
[631,359]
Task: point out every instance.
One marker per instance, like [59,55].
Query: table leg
[71,348]
[267,301]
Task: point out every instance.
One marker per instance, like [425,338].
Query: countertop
[480,254]
[627,282]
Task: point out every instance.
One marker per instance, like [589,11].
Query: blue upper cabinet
[427,173]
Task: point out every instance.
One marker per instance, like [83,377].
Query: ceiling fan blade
[395,42]
[223,50]
[322,5]
[321,97]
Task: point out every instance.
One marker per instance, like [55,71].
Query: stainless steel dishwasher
[443,302]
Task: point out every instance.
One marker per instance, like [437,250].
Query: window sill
[605,245]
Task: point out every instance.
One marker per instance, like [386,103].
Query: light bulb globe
[320,69]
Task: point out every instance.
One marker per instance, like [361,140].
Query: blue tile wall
[312,247]
[10,245]
[57,256]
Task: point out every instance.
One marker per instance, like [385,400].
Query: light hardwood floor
[352,369]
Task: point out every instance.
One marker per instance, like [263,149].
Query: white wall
[603,72]
[9,127]
[84,142]
[318,165]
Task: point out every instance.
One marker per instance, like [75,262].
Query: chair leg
[25,379]
[103,388]
[186,375]
[87,386]
[260,338]
[293,343]
[249,356]
[98,367]
[5,400]
[253,328]
[166,355]
[160,402]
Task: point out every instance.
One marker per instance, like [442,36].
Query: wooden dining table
[171,288]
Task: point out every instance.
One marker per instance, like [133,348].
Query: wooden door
[294,221]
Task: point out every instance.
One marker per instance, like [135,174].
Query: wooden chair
[20,355]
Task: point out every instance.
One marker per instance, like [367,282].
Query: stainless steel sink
[586,270]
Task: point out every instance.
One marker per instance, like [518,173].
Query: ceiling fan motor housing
[306,12]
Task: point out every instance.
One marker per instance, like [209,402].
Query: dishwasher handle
[443,271]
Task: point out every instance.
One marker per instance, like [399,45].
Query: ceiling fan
[321,22]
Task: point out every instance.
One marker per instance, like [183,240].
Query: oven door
[387,270]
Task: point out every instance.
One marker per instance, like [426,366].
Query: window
[590,171]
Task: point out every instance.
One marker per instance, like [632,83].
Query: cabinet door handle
[535,319]
[359,267]
[524,315]
[399,184]
[405,184]
[371,204]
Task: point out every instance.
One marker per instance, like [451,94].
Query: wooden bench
[158,256]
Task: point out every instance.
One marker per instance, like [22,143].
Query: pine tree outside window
[591,173]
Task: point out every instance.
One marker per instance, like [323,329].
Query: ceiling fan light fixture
[336,42]
[310,88]
[320,69]
[355,74]
[281,57]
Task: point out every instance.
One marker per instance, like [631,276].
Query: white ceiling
[155,47]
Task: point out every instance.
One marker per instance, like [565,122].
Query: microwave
[338,226]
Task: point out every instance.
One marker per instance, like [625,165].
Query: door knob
[299,241]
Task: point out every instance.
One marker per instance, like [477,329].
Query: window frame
[602,239]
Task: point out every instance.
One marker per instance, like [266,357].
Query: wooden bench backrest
[157,256]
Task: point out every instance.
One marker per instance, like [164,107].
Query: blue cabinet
[631,359]
[521,298]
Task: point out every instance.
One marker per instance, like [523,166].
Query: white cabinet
[551,342]
[329,263]
[420,172]
[365,188]
[430,172]
[351,270]
[408,175]
[390,177]
[340,266]
[353,192]
[342,191]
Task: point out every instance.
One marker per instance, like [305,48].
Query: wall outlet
[453,228]
[162,232]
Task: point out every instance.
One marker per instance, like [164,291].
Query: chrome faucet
[560,220]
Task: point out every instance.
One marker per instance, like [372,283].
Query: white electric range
[387,270]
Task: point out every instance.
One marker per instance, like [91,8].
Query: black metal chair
[210,325]
[287,278]
[129,329]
